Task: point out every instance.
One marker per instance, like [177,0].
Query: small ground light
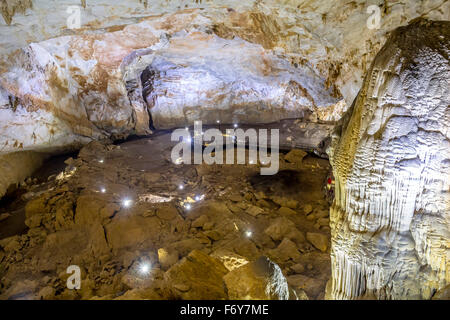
[235,125]
[144,268]
[126,203]
[218,121]
[248,234]
[102,190]
[188,206]
[101,161]
[181,187]
[199,197]
[189,140]
[187,129]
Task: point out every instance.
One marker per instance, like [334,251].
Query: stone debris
[287,250]
[197,276]
[4,216]
[295,156]
[229,259]
[307,209]
[261,279]
[254,210]
[133,238]
[167,259]
[318,240]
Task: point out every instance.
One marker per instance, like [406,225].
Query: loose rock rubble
[141,227]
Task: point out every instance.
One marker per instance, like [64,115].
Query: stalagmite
[390,218]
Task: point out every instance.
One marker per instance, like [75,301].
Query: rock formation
[390,217]
[154,247]
[69,86]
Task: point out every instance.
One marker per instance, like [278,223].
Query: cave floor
[117,210]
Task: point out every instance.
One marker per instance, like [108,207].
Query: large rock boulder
[196,277]
[261,279]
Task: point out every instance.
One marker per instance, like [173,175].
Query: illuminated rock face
[390,218]
[204,77]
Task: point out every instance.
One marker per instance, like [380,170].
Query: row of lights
[145,267]
[218,121]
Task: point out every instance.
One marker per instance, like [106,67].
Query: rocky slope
[390,217]
[118,213]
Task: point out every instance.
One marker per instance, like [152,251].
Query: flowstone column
[390,219]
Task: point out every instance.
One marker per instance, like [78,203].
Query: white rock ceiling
[61,88]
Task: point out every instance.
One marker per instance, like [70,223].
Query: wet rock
[34,211]
[234,208]
[298,268]
[167,259]
[200,221]
[133,231]
[64,215]
[285,202]
[87,289]
[254,210]
[167,212]
[11,244]
[213,235]
[307,209]
[283,227]
[208,225]
[312,287]
[318,240]
[323,221]
[242,246]
[297,294]
[88,209]
[185,246]
[295,156]
[287,250]
[151,177]
[263,204]
[140,294]
[443,294]
[322,213]
[4,216]
[261,279]
[198,277]
[22,290]
[286,211]
[46,293]
[229,259]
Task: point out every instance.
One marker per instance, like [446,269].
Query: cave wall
[330,36]
[390,217]
[61,88]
